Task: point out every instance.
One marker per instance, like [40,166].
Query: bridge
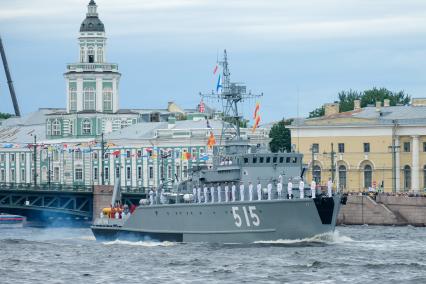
[59,204]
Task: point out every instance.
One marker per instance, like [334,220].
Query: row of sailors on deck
[230,192]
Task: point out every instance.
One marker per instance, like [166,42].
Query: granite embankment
[383,210]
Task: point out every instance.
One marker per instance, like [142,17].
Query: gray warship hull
[231,222]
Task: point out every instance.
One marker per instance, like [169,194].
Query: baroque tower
[92,83]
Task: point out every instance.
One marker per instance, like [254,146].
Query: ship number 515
[252,220]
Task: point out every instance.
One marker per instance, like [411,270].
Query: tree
[367,97]
[280,136]
[4,115]
[317,112]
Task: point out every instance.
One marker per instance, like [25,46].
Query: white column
[115,94]
[415,164]
[99,101]
[397,165]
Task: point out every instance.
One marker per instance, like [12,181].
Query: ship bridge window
[294,160]
[254,160]
[281,160]
[287,160]
[274,160]
[245,160]
[268,159]
[261,160]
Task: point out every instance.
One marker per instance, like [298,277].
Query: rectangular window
[424,146]
[268,160]
[127,154]
[78,155]
[139,153]
[56,174]
[12,157]
[139,172]
[95,155]
[407,147]
[128,173]
[117,172]
[178,171]
[281,160]
[151,172]
[261,160]
[315,148]
[185,171]
[341,147]
[12,175]
[169,172]
[254,160]
[194,153]
[22,157]
[274,160]
[78,174]
[366,147]
[106,172]
[245,160]
[32,174]
[2,158]
[22,175]
[287,160]
[2,175]
[95,173]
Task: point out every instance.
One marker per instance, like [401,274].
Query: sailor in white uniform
[290,189]
[212,193]
[242,191]
[269,191]
[151,197]
[259,191]
[279,189]
[302,189]
[329,188]
[205,194]
[194,194]
[233,192]
[199,194]
[250,191]
[313,188]
[219,194]
[226,192]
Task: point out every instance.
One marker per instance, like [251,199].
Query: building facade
[59,147]
[379,146]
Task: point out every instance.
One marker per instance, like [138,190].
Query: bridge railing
[46,187]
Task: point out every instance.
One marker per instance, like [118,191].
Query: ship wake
[141,243]
[321,239]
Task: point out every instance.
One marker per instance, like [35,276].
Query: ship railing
[110,222]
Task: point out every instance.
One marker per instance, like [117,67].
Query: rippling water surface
[359,254]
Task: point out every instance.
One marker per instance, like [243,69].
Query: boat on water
[240,198]
[11,221]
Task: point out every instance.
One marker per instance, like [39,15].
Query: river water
[358,254]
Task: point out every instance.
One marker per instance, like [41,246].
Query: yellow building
[376,146]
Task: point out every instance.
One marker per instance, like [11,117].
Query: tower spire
[91,9]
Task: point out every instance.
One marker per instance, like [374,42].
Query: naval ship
[183,217]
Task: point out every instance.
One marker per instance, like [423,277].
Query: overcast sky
[166,49]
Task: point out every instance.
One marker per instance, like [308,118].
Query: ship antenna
[230,94]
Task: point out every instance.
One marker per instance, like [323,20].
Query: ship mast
[230,94]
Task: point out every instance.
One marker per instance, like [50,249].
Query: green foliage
[280,136]
[367,97]
[4,115]
[317,112]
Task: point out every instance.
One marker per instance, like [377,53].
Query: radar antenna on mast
[230,94]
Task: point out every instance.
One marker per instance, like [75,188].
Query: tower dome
[92,23]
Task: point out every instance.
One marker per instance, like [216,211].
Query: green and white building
[68,151]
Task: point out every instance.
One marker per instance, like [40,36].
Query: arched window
[424,177]
[107,97]
[73,99]
[342,177]
[100,55]
[89,99]
[82,54]
[91,55]
[368,176]
[56,128]
[407,177]
[317,174]
[86,127]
